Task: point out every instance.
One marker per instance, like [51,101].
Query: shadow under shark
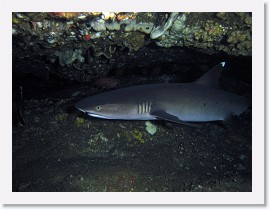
[200,101]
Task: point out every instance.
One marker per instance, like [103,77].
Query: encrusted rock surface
[97,43]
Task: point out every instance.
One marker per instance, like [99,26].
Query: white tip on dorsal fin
[223,63]
[211,78]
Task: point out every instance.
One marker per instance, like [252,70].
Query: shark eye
[98,108]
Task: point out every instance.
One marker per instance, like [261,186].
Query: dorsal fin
[211,78]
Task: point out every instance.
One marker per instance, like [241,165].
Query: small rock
[150,128]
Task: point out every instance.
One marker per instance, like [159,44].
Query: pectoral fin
[166,116]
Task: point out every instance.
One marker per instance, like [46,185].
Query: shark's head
[106,107]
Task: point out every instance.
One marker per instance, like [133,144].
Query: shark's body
[200,101]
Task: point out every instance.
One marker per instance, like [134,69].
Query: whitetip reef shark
[199,101]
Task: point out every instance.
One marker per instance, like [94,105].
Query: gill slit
[144,108]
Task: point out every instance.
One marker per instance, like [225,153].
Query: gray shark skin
[200,101]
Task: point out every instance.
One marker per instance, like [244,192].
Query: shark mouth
[97,115]
[93,114]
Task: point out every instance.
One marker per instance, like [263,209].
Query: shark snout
[81,106]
